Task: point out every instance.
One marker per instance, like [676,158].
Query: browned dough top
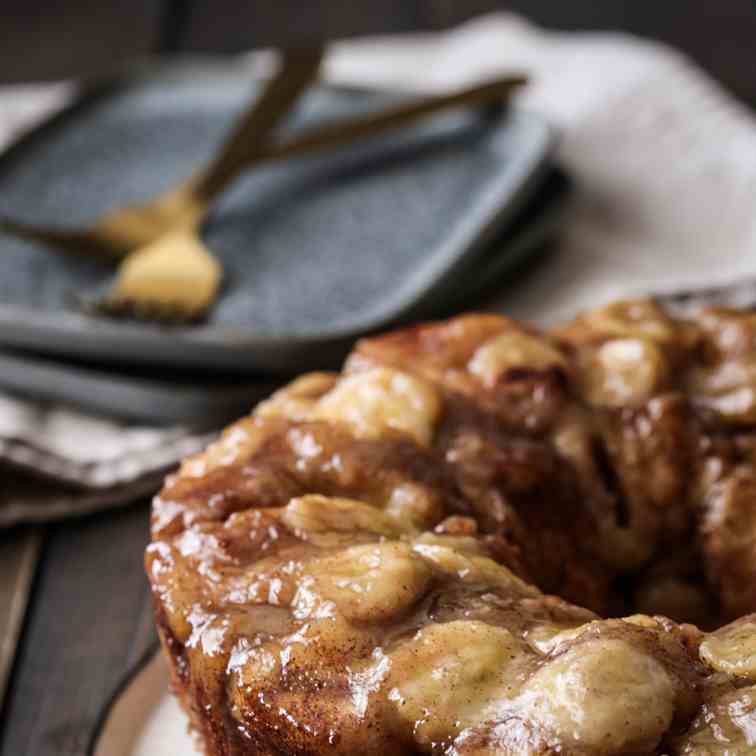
[370,562]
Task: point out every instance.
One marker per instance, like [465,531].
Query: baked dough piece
[414,556]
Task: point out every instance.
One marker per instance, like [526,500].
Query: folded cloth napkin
[665,168]
[59,462]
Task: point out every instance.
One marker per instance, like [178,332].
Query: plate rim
[123,684]
[65,333]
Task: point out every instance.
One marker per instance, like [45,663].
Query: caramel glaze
[365,563]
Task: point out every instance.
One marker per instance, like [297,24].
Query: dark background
[89,618]
[60,37]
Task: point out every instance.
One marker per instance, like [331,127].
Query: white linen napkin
[664,159]
[664,162]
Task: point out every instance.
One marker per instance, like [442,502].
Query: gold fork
[174,276]
[151,284]
[168,272]
[119,232]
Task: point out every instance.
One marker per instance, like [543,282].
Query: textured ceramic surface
[316,250]
[156,396]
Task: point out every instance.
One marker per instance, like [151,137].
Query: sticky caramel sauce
[415,557]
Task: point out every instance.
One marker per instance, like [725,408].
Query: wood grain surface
[19,553]
[90,619]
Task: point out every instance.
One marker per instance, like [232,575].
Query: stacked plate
[317,250]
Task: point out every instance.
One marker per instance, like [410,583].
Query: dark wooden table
[89,617]
[88,622]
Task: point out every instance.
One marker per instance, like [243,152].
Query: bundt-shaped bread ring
[414,556]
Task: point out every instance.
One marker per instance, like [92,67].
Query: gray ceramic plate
[151,395]
[317,250]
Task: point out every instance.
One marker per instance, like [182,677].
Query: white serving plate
[143,718]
